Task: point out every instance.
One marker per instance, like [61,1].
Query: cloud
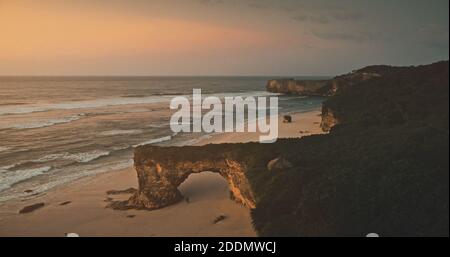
[357,37]
[328,17]
[211,2]
[257,5]
[348,16]
[311,19]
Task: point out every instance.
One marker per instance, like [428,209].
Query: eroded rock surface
[161,170]
[328,119]
[321,87]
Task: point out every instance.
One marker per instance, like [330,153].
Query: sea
[55,130]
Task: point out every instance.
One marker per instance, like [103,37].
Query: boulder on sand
[287,119]
[279,164]
[31,208]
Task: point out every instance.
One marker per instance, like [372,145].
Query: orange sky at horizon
[42,33]
[51,34]
[213,37]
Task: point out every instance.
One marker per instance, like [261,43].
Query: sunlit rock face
[297,87]
[161,170]
[326,88]
[328,119]
[320,87]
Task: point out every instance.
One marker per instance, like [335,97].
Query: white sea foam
[43,123]
[157,125]
[78,157]
[10,178]
[243,94]
[4,148]
[121,132]
[120,147]
[85,173]
[194,141]
[154,141]
[7,167]
[61,180]
[88,104]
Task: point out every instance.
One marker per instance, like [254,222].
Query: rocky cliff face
[161,170]
[320,87]
[328,119]
[298,87]
[326,88]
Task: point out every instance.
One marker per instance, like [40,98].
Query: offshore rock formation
[298,87]
[332,87]
[161,170]
[321,87]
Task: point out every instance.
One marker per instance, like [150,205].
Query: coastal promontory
[383,168]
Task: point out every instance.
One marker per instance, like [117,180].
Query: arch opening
[159,181]
[205,185]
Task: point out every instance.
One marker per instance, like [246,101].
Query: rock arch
[161,170]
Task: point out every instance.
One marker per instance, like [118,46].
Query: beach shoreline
[79,207]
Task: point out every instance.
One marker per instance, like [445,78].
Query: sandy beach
[79,207]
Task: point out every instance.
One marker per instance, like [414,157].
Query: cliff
[321,87]
[383,168]
[397,96]
[298,87]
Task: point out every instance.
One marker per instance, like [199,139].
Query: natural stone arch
[161,170]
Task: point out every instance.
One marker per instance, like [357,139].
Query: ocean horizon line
[169,76]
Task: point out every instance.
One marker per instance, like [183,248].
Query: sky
[218,37]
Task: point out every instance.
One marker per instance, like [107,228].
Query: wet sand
[79,207]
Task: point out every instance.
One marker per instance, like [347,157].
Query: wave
[78,157]
[85,173]
[194,141]
[154,141]
[64,179]
[87,104]
[10,178]
[121,132]
[4,149]
[243,94]
[121,147]
[83,157]
[45,123]
[158,125]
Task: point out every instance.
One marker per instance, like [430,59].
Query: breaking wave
[46,123]
[154,141]
[121,132]
[10,178]
[78,157]
[88,104]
